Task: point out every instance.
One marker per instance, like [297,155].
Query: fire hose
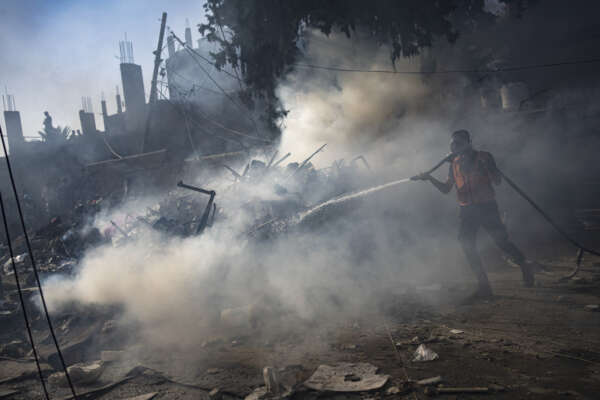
[581,249]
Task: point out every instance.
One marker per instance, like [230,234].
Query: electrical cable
[183,114]
[33,265]
[27,324]
[195,53]
[450,71]
[218,124]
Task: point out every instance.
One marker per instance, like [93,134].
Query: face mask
[459,145]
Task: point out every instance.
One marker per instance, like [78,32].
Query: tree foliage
[261,37]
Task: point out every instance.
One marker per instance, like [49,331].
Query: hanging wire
[34,266]
[450,71]
[25,316]
[196,54]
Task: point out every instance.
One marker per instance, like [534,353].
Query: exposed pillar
[14,131]
[104,114]
[171,45]
[135,98]
[188,34]
[88,123]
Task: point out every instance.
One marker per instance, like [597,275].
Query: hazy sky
[53,52]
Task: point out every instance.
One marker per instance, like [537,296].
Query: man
[473,172]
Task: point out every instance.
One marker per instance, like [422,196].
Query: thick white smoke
[402,236]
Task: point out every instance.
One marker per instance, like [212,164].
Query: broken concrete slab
[81,374]
[346,377]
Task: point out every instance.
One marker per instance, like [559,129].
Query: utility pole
[154,83]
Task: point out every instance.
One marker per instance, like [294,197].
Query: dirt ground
[537,343]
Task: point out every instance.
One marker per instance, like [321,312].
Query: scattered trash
[424,354]
[430,381]
[592,307]
[346,377]
[456,331]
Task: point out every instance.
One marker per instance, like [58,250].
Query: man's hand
[423,176]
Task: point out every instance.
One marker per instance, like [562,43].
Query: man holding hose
[473,172]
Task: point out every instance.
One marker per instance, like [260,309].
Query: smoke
[356,252]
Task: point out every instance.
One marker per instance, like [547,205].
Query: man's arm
[444,187]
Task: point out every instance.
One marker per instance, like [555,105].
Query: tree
[261,37]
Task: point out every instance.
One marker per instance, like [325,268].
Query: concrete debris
[81,374]
[346,377]
[424,354]
[215,394]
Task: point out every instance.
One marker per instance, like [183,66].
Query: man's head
[46,113]
[460,142]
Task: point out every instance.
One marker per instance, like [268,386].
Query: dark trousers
[487,216]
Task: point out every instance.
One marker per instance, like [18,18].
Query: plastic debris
[456,331]
[592,307]
[424,354]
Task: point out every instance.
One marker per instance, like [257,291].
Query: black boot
[528,275]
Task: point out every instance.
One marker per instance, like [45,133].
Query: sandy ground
[537,343]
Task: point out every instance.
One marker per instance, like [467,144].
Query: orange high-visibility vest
[475,186]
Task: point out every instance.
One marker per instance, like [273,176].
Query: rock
[346,377]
